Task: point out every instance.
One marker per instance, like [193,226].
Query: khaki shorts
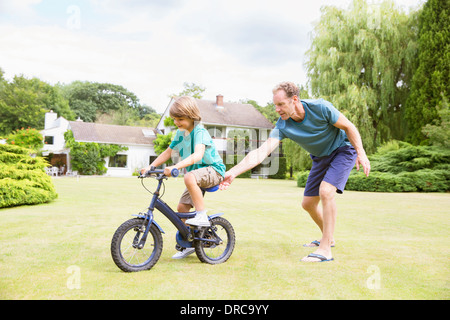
[206,177]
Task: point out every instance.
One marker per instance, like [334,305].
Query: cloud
[254,33]
[240,49]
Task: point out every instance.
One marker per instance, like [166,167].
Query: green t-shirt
[185,145]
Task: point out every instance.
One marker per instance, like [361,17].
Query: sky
[237,48]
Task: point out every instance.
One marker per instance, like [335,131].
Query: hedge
[23,180]
[405,168]
[425,180]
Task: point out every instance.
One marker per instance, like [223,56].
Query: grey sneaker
[200,220]
[183,253]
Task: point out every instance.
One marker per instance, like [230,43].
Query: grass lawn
[389,246]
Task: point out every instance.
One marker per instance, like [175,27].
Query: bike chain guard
[185,243]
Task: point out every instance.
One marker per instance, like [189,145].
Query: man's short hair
[289,88]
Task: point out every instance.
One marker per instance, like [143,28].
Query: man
[334,144]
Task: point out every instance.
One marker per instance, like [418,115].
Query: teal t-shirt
[185,145]
[316,133]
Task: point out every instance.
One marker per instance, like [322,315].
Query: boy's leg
[205,177]
[195,191]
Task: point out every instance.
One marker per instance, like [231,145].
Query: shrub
[425,180]
[89,157]
[301,178]
[282,169]
[22,178]
[401,167]
[27,138]
[232,160]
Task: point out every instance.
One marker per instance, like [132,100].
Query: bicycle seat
[212,189]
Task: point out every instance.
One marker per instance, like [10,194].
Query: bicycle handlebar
[174,173]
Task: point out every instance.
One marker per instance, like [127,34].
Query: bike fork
[149,218]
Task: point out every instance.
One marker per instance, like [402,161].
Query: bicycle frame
[174,217]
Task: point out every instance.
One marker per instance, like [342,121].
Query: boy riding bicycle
[200,158]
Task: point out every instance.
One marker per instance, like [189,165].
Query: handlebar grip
[175,172]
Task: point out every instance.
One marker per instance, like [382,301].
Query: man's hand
[364,162]
[228,179]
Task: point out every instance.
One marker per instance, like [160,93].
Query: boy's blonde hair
[185,107]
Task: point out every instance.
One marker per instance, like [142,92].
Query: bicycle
[137,244]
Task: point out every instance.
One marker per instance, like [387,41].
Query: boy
[200,158]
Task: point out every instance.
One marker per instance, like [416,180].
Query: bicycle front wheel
[220,231]
[125,249]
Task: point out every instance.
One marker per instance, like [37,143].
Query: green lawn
[389,246]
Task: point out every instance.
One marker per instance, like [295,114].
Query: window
[48,140]
[215,132]
[152,158]
[118,161]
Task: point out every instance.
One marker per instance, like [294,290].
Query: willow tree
[360,60]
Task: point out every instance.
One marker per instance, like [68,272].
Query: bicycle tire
[146,257]
[208,252]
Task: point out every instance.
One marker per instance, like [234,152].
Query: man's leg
[329,213]
[311,205]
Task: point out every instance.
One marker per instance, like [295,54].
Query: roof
[232,114]
[112,134]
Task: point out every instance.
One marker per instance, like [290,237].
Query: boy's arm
[162,158]
[250,161]
[189,161]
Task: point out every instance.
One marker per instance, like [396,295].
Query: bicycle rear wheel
[124,246]
[212,253]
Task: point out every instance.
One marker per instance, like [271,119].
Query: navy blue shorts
[333,169]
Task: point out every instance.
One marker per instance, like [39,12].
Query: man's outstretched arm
[254,158]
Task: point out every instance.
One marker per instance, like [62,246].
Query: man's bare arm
[254,158]
[355,139]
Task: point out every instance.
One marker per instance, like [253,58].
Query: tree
[24,102]
[361,60]
[190,89]
[268,111]
[90,99]
[431,78]
[439,133]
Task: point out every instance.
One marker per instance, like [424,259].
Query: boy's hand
[144,170]
[168,170]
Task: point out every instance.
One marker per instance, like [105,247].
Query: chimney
[219,101]
[50,117]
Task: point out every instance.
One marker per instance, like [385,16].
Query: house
[138,140]
[236,128]
[54,144]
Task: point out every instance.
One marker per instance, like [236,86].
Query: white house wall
[58,136]
[137,158]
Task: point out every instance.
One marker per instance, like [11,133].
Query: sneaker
[183,253]
[201,220]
